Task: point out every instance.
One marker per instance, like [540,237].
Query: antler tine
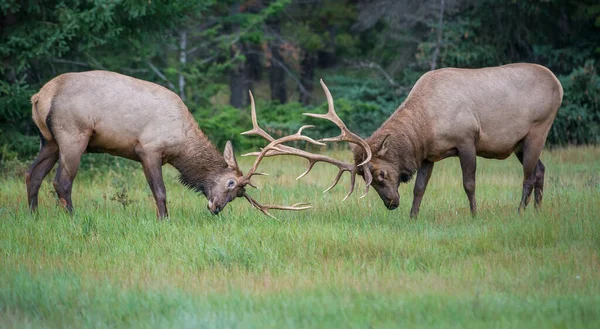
[331,115]
[273,151]
[312,159]
[297,136]
[368,180]
[265,208]
[336,180]
[346,134]
[256,130]
[311,164]
[352,183]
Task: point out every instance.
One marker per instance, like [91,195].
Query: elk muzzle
[391,204]
[213,207]
[390,198]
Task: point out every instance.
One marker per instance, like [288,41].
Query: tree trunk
[438,43]
[182,62]
[237,79]
[254,65]
[307,75]
[237,76]
[254,53]
[277,71]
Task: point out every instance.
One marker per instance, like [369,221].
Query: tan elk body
[489,112]
[100,111]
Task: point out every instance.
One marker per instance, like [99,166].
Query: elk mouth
[214,208]
[391,204]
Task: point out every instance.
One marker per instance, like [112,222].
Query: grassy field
[340,265]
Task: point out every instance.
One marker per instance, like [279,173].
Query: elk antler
[275,148]
[265,208]
[346,134]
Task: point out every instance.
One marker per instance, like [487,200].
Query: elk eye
[381,175]
[230,183]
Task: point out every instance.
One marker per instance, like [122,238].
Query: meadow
[351,264]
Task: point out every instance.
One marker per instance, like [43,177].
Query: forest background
[370,54]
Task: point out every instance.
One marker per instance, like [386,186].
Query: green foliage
[223,124]
[363,104]
[47,30]
[42,39]
[17,144]
[14,101]
[578,119]
[226,123]
[11,163]
[312,26]
[464,45]
[558,34]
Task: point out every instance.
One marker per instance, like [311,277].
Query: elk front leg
[468,164]
[152,165]
[423,176]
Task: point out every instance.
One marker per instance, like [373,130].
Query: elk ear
[382,148]
[229,156]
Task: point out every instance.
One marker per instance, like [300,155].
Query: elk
[488,112]
[106,112]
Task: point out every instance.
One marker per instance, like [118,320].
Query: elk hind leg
[68,164]
[540,170]
[533,169]
[40,167]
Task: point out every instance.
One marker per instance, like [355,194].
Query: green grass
[349,264]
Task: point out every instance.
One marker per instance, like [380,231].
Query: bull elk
[100,111]
[489,112]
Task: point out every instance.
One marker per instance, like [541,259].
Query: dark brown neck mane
[199,163]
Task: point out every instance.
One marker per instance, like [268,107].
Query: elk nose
[214,209]
[391,205]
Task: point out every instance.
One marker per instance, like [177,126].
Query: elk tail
[40,121]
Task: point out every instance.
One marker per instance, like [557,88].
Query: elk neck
[199,162]
[409,133]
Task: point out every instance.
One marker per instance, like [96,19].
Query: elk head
[383,167]
[225,186]
[231,182]
[373,159]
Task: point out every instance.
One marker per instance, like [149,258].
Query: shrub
[17,144]
[227,123]
[578,119]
